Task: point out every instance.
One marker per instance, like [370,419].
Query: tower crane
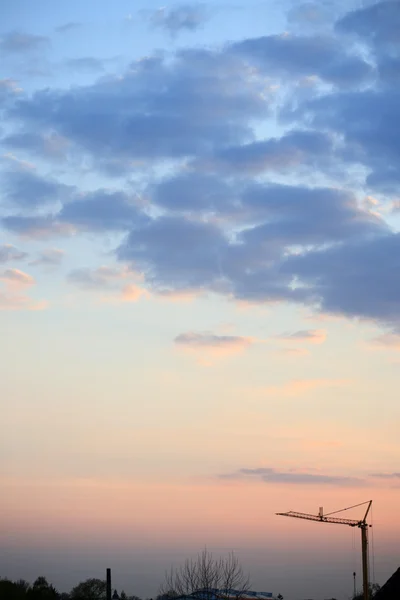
[361,524]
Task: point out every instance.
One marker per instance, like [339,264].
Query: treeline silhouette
[41,589]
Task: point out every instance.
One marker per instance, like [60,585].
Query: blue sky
[199,219]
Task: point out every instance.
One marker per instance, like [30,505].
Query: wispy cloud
[208,346]
[102,278]
[388,341]
[17,42]
[184,17]
[12,301]
[17,277]
[9,253]
[386,475]
[311,336]
[299,477]
[50,257]
[66,27]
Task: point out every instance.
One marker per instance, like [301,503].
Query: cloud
[66,27]
[11,301]
[185,17]
[102,210]
[312,336]
[156,109]
[9,253]
[85,63]
[210,345]
[294,149]
[379,23]
[50,257]
[205,203]
[299,387]
[355,279]
[288,55]
[26,189]
[295,477]
[102,278]
[8,90]
[17,42]
[386,475]
[36,227]
[49,146]
[17,277]
[388,341]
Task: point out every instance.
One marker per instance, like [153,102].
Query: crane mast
[360,523]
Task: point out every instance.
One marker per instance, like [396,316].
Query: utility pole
[361,524]
[355,586]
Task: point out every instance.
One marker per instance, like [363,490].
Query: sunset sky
[199,288]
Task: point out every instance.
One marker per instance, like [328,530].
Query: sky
[199,288]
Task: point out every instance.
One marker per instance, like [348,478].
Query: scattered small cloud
[185,17]
[395,475]
[50,257]
[85,63]
[20,43]
[209,346]
[311,336]
[271,475]
[9,253]
[17,277]
[386,341]
[102,278]
[10,301]
[66,27]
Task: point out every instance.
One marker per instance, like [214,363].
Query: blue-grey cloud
[270,475]
[379,23]
[9,253]
[66,27]
[157,109]
[51,146]
[305,56]
[35,226]
[294,149]
[50,257]
[17,42]
[27,189]
[85,63]
[356,279]
[192,192]
[176,252]
[184,17]
[386,475]
[101,211]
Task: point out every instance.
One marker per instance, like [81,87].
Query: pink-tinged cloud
[310,336]
[102,278]
[294,476]
[9,301]
[17,277]
[298,387]
[210,345]
[132,293]
[388,341]
[386,476]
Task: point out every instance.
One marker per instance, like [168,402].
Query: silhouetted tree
[373,589]
[13,590]
[90,589]
[42,590]
[205,573]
